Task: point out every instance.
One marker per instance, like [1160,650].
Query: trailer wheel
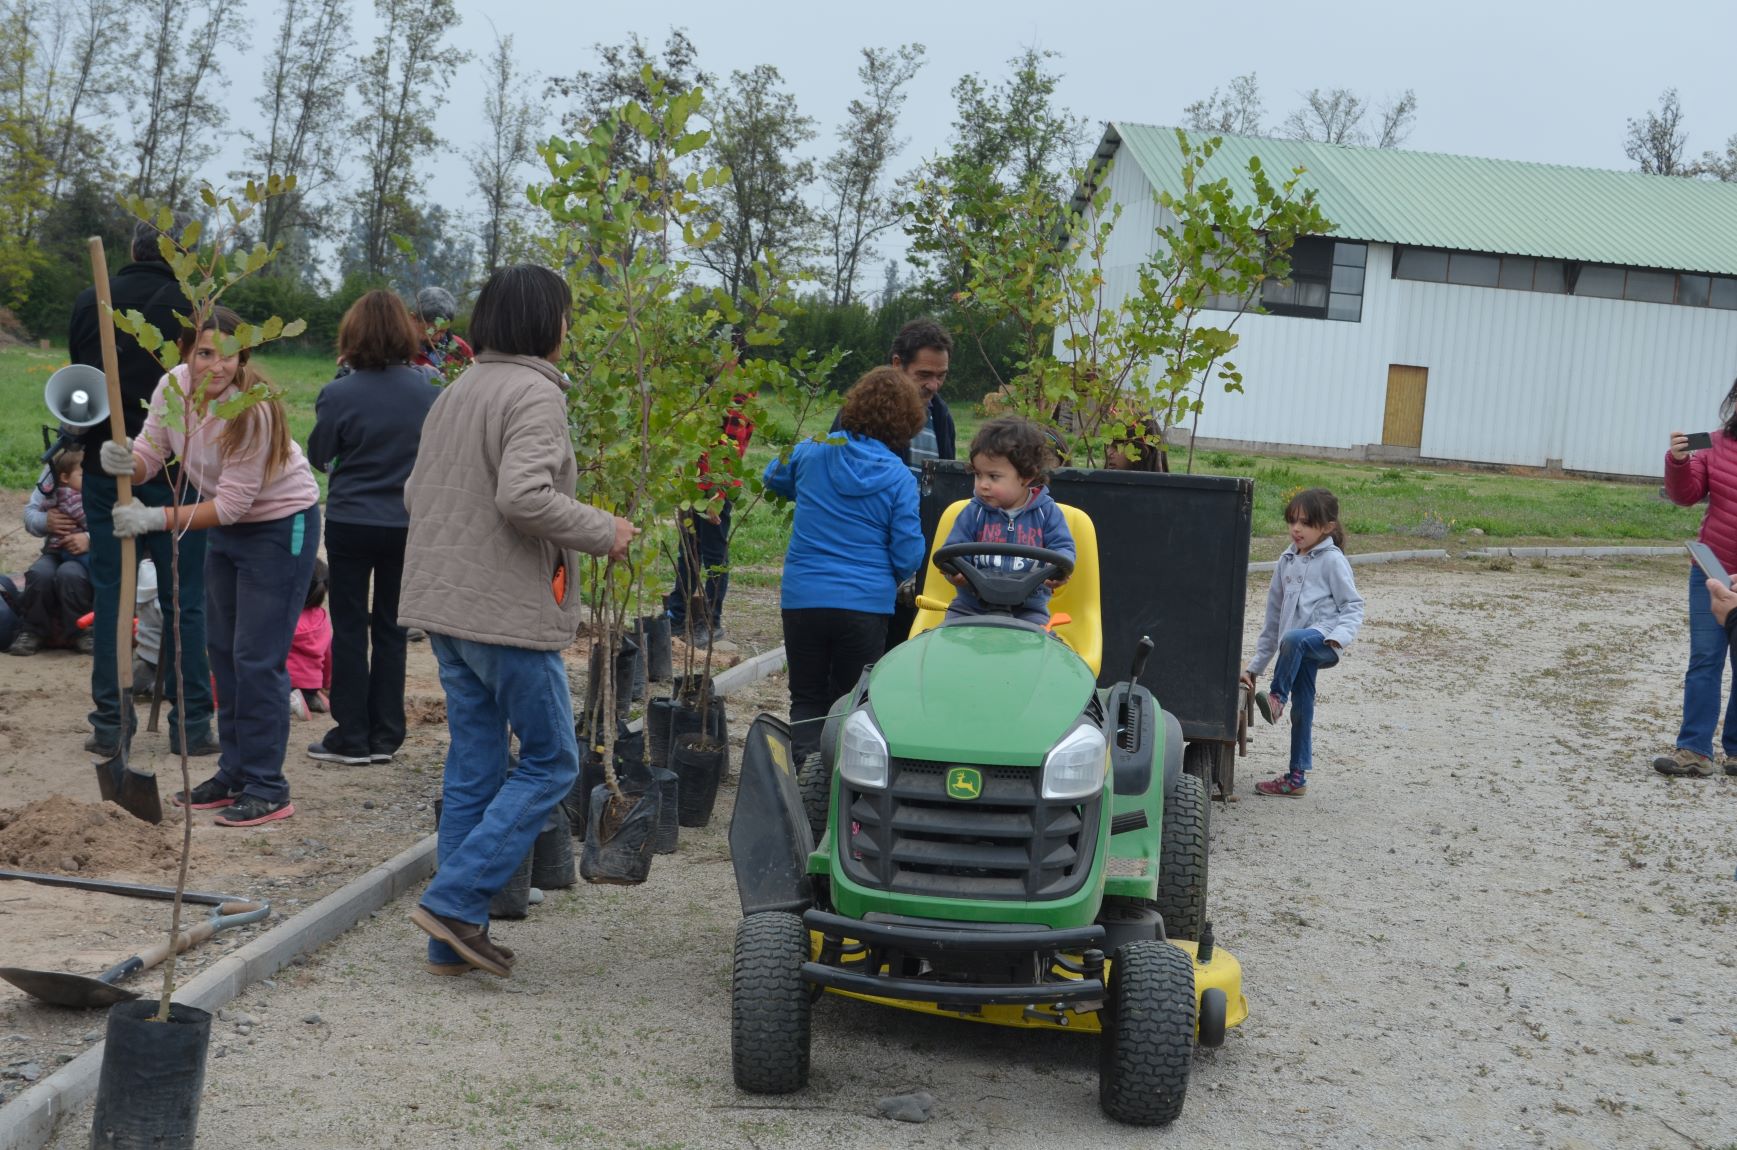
[815,782]
[1146,1047]
[1182,859]
[1198,759]
[769,1005]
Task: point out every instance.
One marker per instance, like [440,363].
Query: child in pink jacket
[310,654]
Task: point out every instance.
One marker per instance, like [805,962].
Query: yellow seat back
[1077,598]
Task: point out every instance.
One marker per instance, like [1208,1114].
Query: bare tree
[512,121]
[1336,116]
[403,83]
[73,74]
[1331,117]
[856,210]
[757,133]
[1237,111]
[307,78]
[1720,166]
[178,124]
[1397,119]
[1656,142]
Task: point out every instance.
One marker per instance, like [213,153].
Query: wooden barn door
[1403,426]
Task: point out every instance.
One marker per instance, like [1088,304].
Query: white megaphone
[77,396]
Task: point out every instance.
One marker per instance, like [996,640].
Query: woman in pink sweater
[252,489]
[1691,476]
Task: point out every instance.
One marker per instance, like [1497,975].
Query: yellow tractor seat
[1077,598]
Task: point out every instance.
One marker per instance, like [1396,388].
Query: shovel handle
[99,270]
[187,939]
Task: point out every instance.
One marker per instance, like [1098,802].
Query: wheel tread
[1147,1045]
[770,1004]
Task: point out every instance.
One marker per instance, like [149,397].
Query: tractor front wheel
[1146,1047]
[815,782]
[769,1004]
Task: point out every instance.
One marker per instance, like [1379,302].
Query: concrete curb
[1569,552]
[1364,560]
[1493,552]
[28,1121]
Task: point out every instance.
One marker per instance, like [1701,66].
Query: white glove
[134,518]
[117,457]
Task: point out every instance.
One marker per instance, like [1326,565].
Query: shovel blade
[57,988]
[133,791]
[139,796]
[108,774]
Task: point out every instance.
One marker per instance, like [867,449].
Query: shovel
[133,791]
[84,992]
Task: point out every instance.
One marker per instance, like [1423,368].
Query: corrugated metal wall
[1514,377]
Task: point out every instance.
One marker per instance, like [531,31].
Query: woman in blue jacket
[856,536]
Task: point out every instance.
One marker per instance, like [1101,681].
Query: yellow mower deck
[1222,972]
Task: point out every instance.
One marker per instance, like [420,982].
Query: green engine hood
[978,694]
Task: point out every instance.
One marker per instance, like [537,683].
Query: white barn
[1465,309]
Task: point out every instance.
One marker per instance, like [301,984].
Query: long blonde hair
[264,421]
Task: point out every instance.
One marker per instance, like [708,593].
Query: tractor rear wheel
[1182,859]
[815,782]
[769,1004]
[1146,1047]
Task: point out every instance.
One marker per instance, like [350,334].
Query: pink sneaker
[1271,707]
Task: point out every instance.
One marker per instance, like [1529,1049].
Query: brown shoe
[1682,763]
[470,940]
[448,969]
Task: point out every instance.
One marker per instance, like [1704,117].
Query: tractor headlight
[862,753]
[1074,767]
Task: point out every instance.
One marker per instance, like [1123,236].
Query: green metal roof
[1388,195]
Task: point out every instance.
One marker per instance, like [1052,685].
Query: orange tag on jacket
[559,583]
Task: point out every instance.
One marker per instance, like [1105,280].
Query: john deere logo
[964,783]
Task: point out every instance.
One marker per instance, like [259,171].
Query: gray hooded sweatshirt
[1310,591]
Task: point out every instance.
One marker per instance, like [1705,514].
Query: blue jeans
[256,584]
[1301,653]
[105,578]
[1705,680]
[490,819]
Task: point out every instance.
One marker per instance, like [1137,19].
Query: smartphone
[1700,441]
[1708,562]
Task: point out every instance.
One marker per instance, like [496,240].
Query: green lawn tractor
[995,839]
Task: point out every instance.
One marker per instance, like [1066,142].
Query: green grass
[24,371]
[1382,507]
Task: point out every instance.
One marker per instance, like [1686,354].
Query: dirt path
[1488,924]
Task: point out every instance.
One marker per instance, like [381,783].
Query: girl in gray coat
[1313,612]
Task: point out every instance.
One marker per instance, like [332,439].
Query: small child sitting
[57,588]
[1010,458]
[310,656]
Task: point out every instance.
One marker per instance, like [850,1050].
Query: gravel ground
[1488,924]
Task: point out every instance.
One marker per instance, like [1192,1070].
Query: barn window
[1473,270]
[1517,272]
[1599,280]
[1551,276]
[1723,293]
[1427,264]
[1692,291]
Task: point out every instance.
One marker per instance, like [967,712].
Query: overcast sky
[1519,80]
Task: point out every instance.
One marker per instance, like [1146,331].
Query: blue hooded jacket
[857,531]
[1040,523]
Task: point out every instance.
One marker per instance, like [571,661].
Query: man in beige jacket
[489,574]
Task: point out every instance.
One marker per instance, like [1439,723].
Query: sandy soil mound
[64,836]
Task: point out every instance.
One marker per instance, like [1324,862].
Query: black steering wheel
[996,589]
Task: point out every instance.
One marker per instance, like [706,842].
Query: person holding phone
[1691,475]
